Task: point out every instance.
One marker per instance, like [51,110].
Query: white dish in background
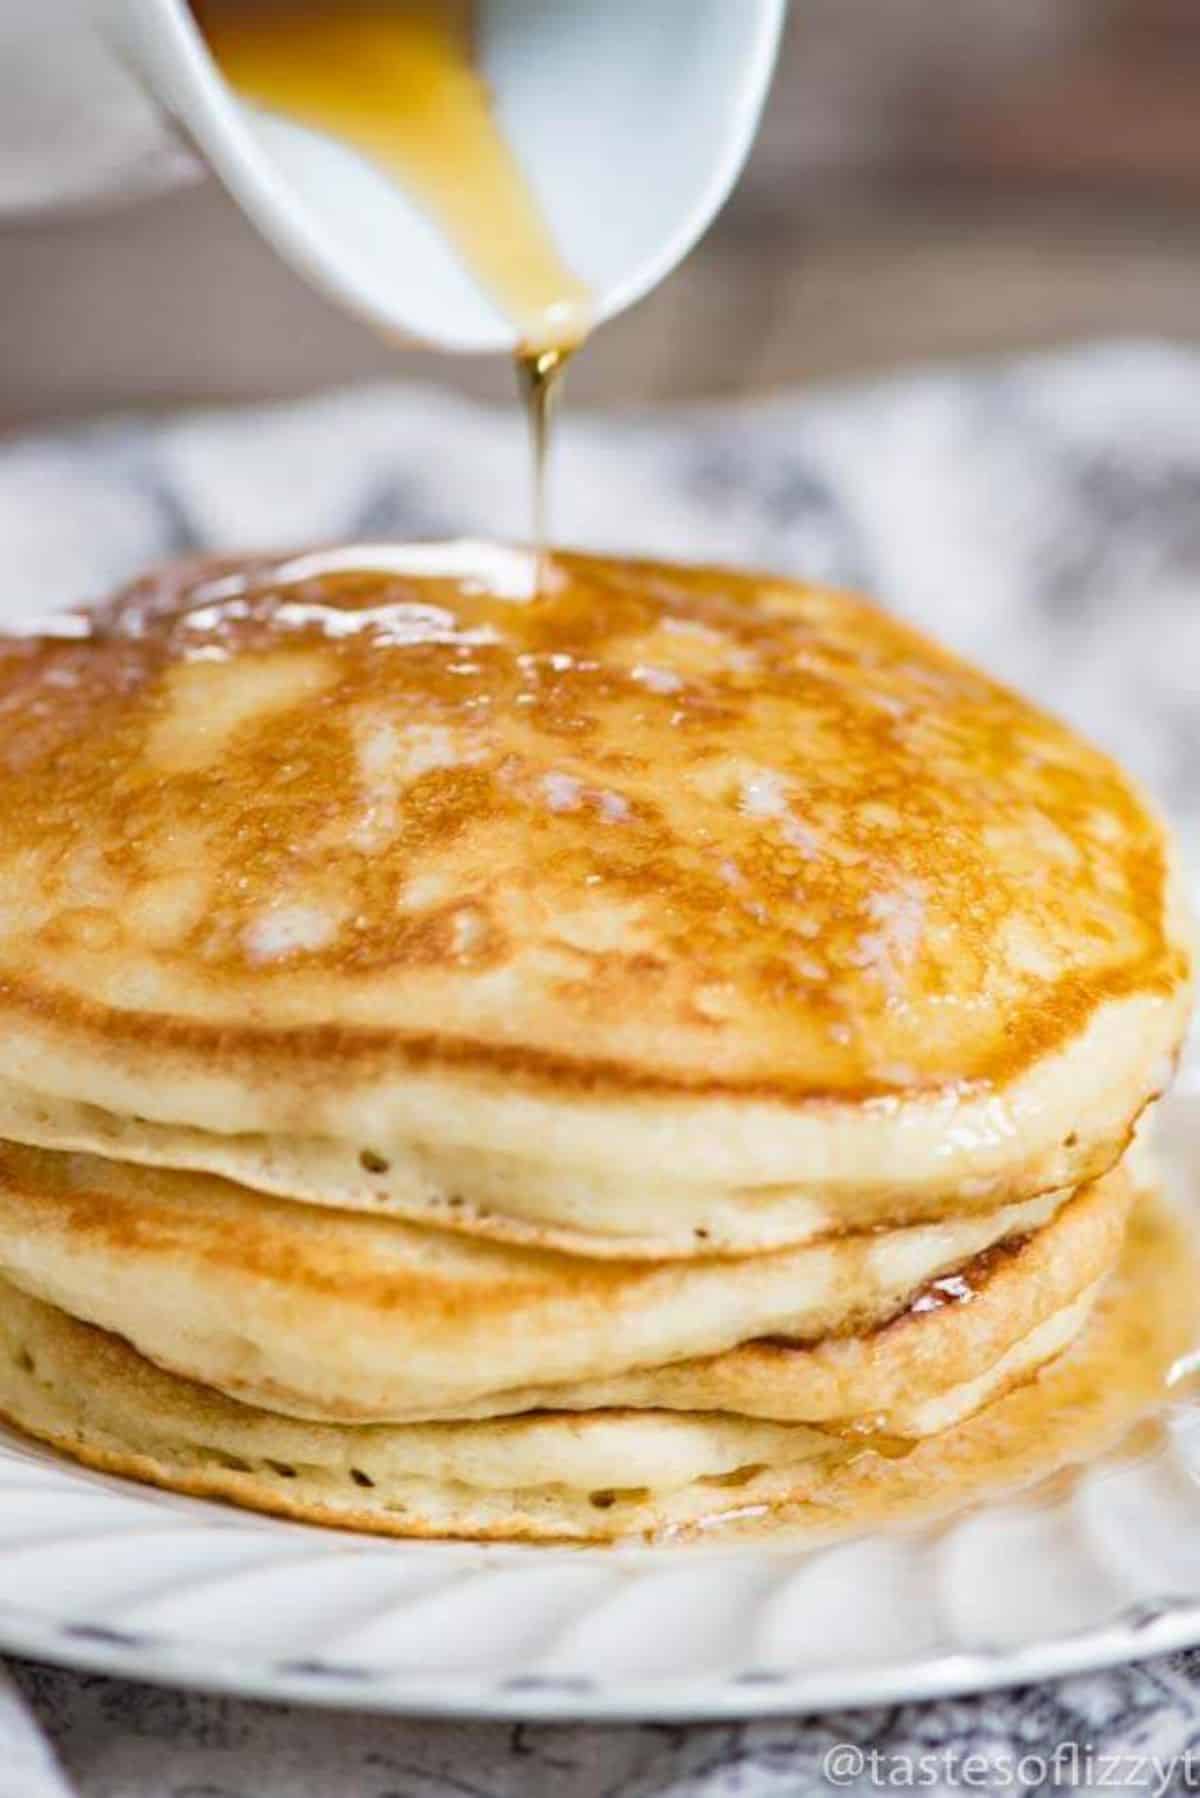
[101,1574]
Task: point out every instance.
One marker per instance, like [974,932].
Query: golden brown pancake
[326,1315]
[678,888]
[477,1060]
[514,1198]
[958,1339]
[607,1474]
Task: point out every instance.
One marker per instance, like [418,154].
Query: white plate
[101,1574]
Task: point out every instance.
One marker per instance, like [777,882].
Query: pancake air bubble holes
[360,1478]
[372,1163]
[740,1476]
[231,1463]
[283,1469]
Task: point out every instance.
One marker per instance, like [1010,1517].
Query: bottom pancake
[608,1474]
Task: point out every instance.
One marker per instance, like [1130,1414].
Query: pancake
[911,1375]
[667,912]
[602,1475]
[320,1314]
[514,1198]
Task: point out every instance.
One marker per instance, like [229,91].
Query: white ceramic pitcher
[631,118]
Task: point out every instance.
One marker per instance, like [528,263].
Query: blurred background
[934,178]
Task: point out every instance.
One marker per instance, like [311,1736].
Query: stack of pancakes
[561,1063]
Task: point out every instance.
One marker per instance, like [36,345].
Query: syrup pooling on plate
[1118,1393]
[398,82]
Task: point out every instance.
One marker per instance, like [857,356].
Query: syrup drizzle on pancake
[908,879]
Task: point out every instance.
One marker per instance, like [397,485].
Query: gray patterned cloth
[1041,515]
[1133,1730]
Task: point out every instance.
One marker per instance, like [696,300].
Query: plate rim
[1137,1632]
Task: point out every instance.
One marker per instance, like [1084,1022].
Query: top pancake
[674,869]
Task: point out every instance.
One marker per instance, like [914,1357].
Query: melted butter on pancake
[668,828]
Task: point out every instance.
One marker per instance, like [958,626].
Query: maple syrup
[1114,1396]
[397,80]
